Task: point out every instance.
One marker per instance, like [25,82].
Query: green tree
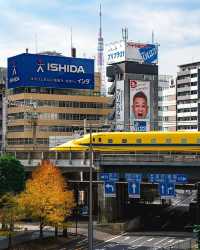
[196,229]
[9,213]
[12,175]
[12,181]
[46,197]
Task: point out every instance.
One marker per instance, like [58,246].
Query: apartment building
[187,96]
[166,103]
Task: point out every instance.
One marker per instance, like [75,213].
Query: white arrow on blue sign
[134,189]
[110,189]
[181,178]
[167,190]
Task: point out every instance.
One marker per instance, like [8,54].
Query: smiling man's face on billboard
[140,106]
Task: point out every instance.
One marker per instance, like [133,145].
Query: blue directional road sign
[167,190]
[170,178]
[156,178]
[113,176]
[104,176]
[109,176]
[110,189]
[133,177]
[134,189]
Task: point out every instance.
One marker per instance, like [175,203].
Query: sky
[42,25]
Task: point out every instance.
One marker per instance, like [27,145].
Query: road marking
[137,239]
[150,239]
[115,237]
[134,247]
[158,242]
[118,236]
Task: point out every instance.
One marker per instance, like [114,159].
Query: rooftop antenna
[71,38]
[125,34]
[152,37]
[36,43]
[73,49]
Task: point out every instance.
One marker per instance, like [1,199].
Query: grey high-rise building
[188,87]
[166,103]
[133,70]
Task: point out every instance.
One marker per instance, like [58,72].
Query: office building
[2,93]
[133,71]
[187,96]
[42,109]
[166,103]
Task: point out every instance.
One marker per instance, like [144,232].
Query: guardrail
[149,158]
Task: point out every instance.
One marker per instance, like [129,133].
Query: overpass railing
[156,157]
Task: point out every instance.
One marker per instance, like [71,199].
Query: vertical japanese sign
[120,105]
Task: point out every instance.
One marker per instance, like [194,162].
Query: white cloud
[176,28]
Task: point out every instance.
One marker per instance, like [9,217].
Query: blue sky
[45,25]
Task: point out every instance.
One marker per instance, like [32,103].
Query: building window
[153,141]
[168,141]
[183,141]
[138,140]
[124,140]
[110,141]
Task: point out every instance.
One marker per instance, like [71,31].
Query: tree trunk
[41,230]
[10,236]
[56,231]
[65,233]
[3,224]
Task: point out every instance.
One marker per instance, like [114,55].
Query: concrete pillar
[101,204]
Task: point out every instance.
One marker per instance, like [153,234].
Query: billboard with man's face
[139,105]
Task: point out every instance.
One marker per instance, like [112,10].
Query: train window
[124,140]
[198,140]
[99,139]
[183,140]
[168,140]
[93,139]
[153,141]
[138,140]
[110,141]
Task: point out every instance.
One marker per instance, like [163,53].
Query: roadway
[127,241]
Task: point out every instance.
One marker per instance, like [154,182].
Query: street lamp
[90,224]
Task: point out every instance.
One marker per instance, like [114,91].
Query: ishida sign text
[37,70]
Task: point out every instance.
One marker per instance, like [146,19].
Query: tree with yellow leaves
[46,197]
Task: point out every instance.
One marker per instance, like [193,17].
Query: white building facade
[166,103]
[187,96]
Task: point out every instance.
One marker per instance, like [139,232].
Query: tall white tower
[100,55]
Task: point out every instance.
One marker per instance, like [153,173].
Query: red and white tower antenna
[100,55]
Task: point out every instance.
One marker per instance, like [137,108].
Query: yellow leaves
[46,196]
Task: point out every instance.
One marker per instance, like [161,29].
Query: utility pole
[90,224]
[34,119]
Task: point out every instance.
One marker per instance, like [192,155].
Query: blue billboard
[35,70]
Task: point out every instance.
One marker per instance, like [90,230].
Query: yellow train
[154,141]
